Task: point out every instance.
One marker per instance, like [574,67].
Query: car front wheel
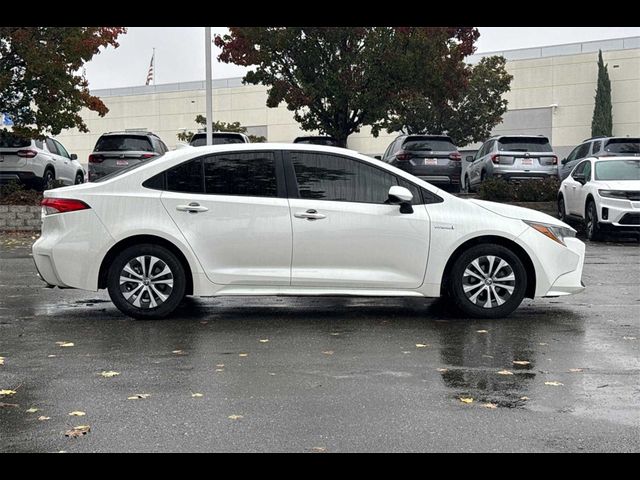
[487,281]
[146,281]
[591,222]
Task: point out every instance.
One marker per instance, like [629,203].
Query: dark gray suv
[117,150]
[433,158]
[599,147]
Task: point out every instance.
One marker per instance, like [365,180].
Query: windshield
[326,141]
[201,139]
[9,140]
[524,144]
[618,170]
[418,144]
[122,143]
[623,145]
[117,173]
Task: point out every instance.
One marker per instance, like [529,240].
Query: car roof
[518,136]
[221,133]
[133,133]
[610,157]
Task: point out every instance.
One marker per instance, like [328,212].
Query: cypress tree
[602,123]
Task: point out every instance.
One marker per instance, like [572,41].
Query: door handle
[310,214]
[193,207]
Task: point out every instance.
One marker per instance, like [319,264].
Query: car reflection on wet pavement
[322,374]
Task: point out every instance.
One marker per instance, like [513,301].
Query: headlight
[613,193]
[555,233]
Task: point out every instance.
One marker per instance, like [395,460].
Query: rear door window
[583,151]
[525,144]
[246,174]
[51,146]
[123,143]
[186,177]
[61,150]
[596,147]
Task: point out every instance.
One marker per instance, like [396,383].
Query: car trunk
[525,153]
[525,160]
[9,159]
[426,154]
[117,160]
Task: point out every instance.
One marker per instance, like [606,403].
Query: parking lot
[322,374]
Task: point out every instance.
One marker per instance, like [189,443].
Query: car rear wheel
[562,215]
[591,225]
[79,178]
[487,281]
[48,179]
[146,281]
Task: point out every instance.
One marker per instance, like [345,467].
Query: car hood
[519,213]
[619,184]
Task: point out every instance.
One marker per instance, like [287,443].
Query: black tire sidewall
[591,234]
[179,281]
[562,215]
[81,177]
[456,289]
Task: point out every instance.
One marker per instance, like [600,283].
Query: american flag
[150,73]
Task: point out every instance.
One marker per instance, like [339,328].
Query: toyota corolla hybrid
[284,219]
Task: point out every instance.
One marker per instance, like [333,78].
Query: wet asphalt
[322,374]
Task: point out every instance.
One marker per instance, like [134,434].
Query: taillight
[62,205]
[96,158]
[27,153]
[403,156]
[495,158]
[147,155]
[456,157]
[554,161]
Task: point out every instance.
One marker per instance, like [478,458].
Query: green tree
[602,122]
[467,115]
[42,88]
[337,79]
[220,127]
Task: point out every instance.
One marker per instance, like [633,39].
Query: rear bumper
[437,174]
[17,176]
[517,176]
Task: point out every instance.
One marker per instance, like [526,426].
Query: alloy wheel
[488,281]
[146,282]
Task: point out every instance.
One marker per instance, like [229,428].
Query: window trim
[294,191]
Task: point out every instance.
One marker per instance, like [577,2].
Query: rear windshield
[201,139]
[117,173]
[417,144]
[123,143]
[535,144]
[618,170]
[9,140]
[327,141]
[623,145]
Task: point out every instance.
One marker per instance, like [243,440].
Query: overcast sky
[180,51]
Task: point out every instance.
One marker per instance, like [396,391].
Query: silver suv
[599,147]
[511,157]
[218,138]
[37,163]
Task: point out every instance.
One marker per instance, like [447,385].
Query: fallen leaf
[272,374]
[319,449]
[42,418]
[492,406]
[8,405]
[328,352]
[629,338]
[487,356]
[51,356]
[482,331]
[7,392]
[139,396]
[204,323]
[575,370]
[197,395]
[77,413]
[521,362]
[442,370]
[335,334]
[421,345]
[263,340]
[543,344]
[505,372]
[109,374]
[524,398]
[466,400]
[243,354]
[1,360]
[235,417]
[178,352]
[65,344]
[32,410]
[77,431]
[220,365]
[219,369]
[406,351]
[554,383]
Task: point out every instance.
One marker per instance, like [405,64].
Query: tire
[562,213]
[48,178]
[501,300]
[79,178]
[465,184]
[140,305]
[591,225]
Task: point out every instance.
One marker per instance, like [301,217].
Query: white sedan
[604,193]
[284,219]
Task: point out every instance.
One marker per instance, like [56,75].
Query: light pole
[209,93]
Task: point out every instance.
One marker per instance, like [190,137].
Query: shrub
[16,194]
[496,190]
[538,190]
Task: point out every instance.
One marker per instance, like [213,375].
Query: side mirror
[377,157]
[563,161]
[469,158]
[580,178]
[74,156]
[401,196]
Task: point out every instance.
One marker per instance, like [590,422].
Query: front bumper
[619,213]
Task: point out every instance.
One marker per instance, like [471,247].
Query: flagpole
[209,93]
[155,63]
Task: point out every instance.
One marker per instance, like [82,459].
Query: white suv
[37,163]
[604,193]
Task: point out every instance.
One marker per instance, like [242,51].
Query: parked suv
[433,158]
[604,193]
[116,150]
[511,157]
[599,147]
[37,163]
[317,140]
[219,138]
